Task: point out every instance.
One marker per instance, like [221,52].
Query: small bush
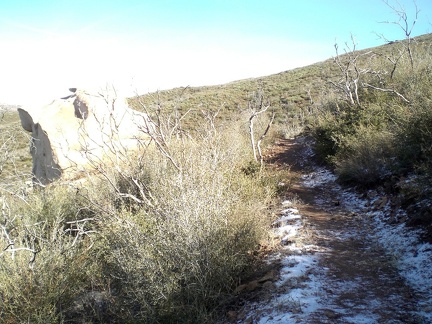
[367,158]
[329,128]
[44,263]
[388,131]
[415,140]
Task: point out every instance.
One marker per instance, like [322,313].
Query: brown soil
[361,280]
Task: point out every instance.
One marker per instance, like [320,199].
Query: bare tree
[353,75]
[165,127]
[350,71]
[404,23]
[257,106]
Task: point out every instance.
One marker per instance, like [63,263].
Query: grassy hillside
[166,234]
[369,111]
[15,159]
[385,78]
[295,95]
[292,93]
[289,92]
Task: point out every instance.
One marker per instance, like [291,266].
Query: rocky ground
[340,260]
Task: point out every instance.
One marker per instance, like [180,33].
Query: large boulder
[77,133]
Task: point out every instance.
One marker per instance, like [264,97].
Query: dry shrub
[415,132]
[45,258]
[156,239]
[179,256]
[368,157]
[388,131]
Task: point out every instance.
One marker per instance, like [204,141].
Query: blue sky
[139,46]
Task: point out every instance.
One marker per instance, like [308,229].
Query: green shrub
[415,144]
[45,261]
[180,256]
[388,132]
[367,158]
[156,239]
[330,126]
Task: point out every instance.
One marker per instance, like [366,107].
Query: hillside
[7,107]
[368,110]
[295,96]
[15,159]
[196,227]
[292,93]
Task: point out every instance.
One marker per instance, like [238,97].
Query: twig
[387,90]
[264,135]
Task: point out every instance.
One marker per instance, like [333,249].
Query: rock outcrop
[76,133]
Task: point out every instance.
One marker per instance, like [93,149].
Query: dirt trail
[351,280]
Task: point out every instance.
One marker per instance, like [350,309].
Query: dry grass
[146,241]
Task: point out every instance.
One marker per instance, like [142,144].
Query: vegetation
[167,235]
[15,160]
[164,236]
[383,132]
[368,110]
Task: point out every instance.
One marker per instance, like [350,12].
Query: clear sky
[47,46]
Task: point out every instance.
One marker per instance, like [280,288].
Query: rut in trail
[333,270]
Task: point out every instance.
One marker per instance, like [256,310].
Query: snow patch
[317,178]
[300,283]
[288,224]
[412,258]
[301,293]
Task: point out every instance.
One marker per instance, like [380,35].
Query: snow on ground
[317,178]
[412,258]
[296,297]
[301,293]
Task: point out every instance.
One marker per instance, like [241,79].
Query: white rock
[77,132]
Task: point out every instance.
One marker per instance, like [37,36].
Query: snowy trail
[341,263]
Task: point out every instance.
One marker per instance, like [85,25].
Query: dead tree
[257,106]
[350,72]
[405,24]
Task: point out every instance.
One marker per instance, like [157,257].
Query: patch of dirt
[360,283]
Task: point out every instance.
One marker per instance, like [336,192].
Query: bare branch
[264,135]
[350,73]
[387,90]
[404,23]
[257,107]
